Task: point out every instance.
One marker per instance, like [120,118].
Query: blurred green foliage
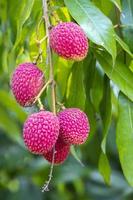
[92,85]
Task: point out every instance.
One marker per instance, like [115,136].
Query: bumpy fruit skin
[61,152]
[69,41]
[27,81]
[74,126]
[41,132]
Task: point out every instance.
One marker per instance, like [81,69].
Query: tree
[100,85]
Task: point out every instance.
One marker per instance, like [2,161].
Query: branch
[49,54]
[51,77]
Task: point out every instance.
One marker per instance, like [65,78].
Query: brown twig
[51,77]
[38,43]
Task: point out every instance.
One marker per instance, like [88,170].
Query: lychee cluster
[45,133]
[69,41]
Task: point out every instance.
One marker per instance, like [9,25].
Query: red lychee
[61,152]
[26,83]
[69,41]
[74,126]
[41,131]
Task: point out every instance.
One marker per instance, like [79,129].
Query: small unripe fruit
[74,126]
[26,83]
[41,132]
[69,41]
[61,152]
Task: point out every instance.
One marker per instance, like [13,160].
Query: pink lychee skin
[62,151]
[41,132]
[69,41]
[74,126]
[27,81]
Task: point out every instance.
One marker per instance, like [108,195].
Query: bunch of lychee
[45,133]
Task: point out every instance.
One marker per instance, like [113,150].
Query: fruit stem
[53,13]
[38,43]
[61,105]
[42,90]
[51,77]
[41,107]
[45,187]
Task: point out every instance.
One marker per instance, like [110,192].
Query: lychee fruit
[61,152]
[27,81]
[74,126]
[41,132]
[69,41]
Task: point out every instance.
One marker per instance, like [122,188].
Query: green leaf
[97,89]
[127,22]
[89,70]
[23,14]
[124,136]
[62,72]
[106,111]
[7,101]
[74,153]
[104,168]
[75,95]
[120,74]
[117,3]
[123,45]
[9,126]
[131,66]
[89,73]
[104,5]
[96,25]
